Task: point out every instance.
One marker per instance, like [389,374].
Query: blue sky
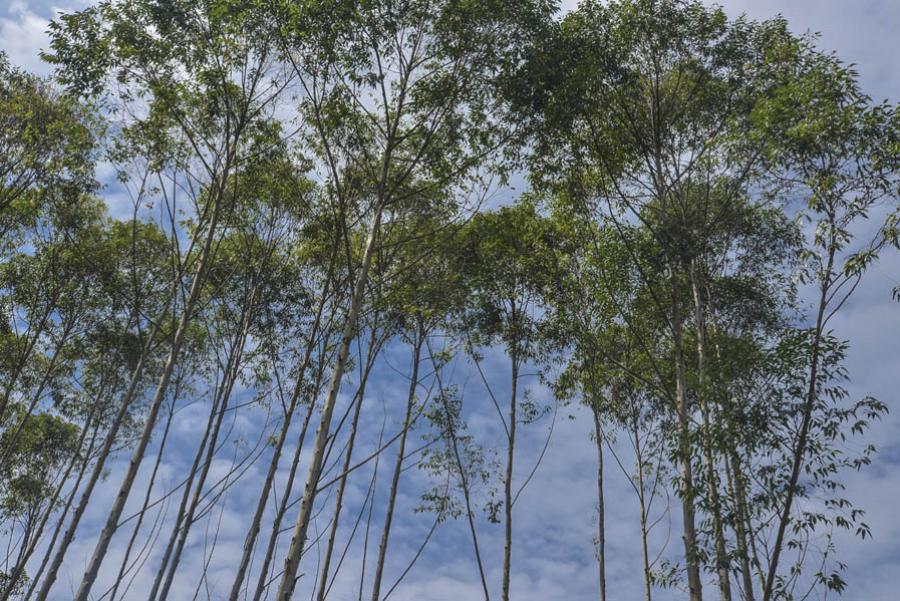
[555,519]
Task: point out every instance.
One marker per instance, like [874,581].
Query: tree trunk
[642,501]
[345,470]
[298,538]
[253,532]
[454,445]
[685,471]
[507,484]
[601,501]
[736,490]
[123,568]
[809,405]
[109,529]
[722,562]
[398,463]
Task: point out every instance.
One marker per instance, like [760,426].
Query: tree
[656,97]
[657,123]
[199,117]
[503,255]
[430,125]
[836,154]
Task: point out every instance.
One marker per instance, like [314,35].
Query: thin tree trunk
[109,529]
[338,503]
[737,493]
[601,502]
[642,500]
[685,471]
[345,471]
[722,562]
[123,567]
[510,455]
[594,402]
[186,494]
[454,445]
[734,481]
[253,532]
[370,498]
[808,406]
[298,538]
[398,463]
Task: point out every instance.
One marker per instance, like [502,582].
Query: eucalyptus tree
[126,340]
[503,256]
[304,340]
[424,288]
[244,285]
[668,116]
[48,149]
[836,154]
[639,416]
[395,93]
[652,97]
[671,141]
[375,329]
[743,296]
[131,565]
[194,90]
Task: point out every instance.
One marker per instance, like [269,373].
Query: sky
[555,518]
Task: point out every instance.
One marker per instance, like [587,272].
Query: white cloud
[22,36]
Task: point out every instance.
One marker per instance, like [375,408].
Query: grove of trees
[351,237]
